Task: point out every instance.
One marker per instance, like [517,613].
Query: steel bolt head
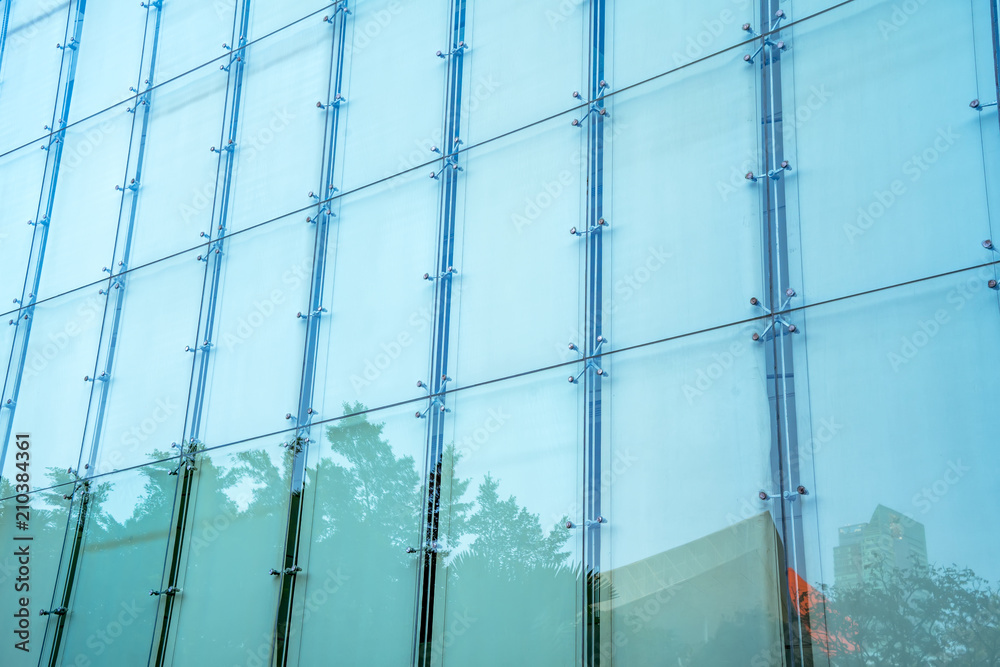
[780,13]
[749,176]
[792,328]
[988,244]
[789,292]
[784,164]
[420,383]
[747,58]
[763,495]
[572,230]
[746,27]
[572,379]
[755,337]
[569,524]
[801,490]
[754,301]
[974,104]
[992,284]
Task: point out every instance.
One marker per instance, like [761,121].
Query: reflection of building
[889,537]
[702,602]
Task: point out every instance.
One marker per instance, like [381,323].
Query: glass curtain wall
[456,332]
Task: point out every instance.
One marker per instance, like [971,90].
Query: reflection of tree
[364,514]
[906,616]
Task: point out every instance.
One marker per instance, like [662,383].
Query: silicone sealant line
[300,445]
[784,458]
[436,412]
[201,350]
[114,292]
[595,340]
[24,317]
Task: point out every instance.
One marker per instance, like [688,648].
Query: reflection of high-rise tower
[889,537]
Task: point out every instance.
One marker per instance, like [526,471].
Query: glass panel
[279,147]
[684,230]
[684,32]
[20,179]
[32,589]
[268,17]
[516,253]
[510,483]
[362,511]
[177,194]
[151,375]
[192,33]
[239,509]
[110,56]
[524,62]
[694,557]
[112,614]
[61,352]
[897,563]
[379,138]
[913,203]
[31,70]
[384,238]
[257,340]
[81,237]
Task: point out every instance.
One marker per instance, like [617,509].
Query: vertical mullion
[321,259]
[213,259]
[784,456]
[102,388]
[594,276]
[424,634]
[43,220]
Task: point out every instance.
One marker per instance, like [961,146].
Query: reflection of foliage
[917,615]
[364,511]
